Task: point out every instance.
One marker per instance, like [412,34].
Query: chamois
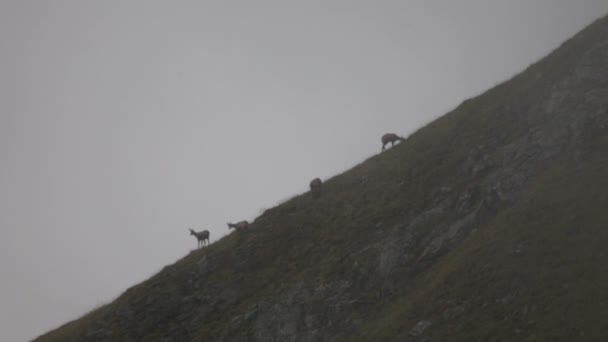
[390,138]
[201,237]
[315,187]
[239,225]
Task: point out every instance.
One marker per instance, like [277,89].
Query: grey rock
[420,328]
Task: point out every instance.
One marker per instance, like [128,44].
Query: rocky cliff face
[488,224]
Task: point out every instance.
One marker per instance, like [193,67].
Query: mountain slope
[488,224]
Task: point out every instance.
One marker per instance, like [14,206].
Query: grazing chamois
[315,187]
[201,237]
[390,138]
[239,225]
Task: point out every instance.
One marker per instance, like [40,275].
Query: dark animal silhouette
[239,225]
[201,237]
[390,138]
[315,187]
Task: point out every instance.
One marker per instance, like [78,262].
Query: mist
[124,123]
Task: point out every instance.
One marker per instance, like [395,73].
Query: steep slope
[488,224]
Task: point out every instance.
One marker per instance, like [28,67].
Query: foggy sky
[124,122]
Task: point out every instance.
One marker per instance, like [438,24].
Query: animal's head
[192,231]
[229,225]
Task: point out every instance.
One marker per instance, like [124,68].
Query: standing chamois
[315,187]
[390,138]
[201,237]
[243,225]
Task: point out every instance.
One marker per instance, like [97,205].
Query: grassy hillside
[487,224]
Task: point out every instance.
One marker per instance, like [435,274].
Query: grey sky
[123,122]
